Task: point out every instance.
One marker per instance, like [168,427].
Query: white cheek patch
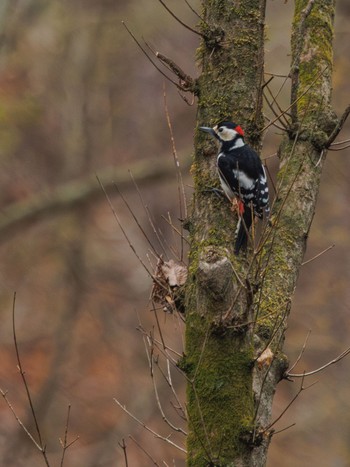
[227,134]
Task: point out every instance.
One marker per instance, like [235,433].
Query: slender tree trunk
[237,307]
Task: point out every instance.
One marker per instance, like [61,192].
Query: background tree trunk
[237,308]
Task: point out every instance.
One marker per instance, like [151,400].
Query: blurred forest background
[76,97]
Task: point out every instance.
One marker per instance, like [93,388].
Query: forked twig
[151,360]
[301,352]
[296,100]
[289,375]
[123,446]
[39,445]
[65,445]
[301,389]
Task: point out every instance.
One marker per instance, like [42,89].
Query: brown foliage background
[76,95]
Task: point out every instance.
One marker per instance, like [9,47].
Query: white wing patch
[244,181]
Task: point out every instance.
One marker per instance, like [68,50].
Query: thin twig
[151,360]
[144,450]
[150,59]
[297,99]
[193,10]
[136,220]
[19,421]
[146,209]
[283,429]
[301,352]
[339,149]
[22,373]
[179,20]
[301,389]
[180,184]
[318,255]
[123,446]
[65,445]
[341,142]
[318,370]
[146,427]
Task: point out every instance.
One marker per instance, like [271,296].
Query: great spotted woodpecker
[242,176]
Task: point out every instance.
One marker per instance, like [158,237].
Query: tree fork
[236,316]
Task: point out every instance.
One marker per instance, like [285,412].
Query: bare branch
[136,220]
[297,99]
[65,445]
[24,380]
[283,429]
[123,446]
[180,184]
[301,352]
[185,80]
[155,434]
[179,20]
[301,389]
[318,370]
[4,395]
[150,59]
[318,255]
[144,451]
[193,10]
[77,193]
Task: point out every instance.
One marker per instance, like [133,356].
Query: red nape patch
[239,130]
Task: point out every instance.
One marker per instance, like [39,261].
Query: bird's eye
[220,130]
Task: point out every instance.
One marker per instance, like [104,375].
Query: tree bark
[219,351]
[237,309]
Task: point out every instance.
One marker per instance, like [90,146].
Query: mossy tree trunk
[236,308]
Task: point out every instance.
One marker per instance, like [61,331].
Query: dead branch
[186,82]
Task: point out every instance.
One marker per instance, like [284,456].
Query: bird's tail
[244,224]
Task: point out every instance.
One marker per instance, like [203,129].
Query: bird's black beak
[209,130]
